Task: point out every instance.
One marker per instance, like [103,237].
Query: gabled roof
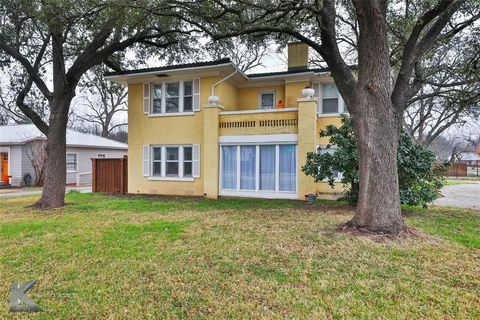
[224,66]
[20,134]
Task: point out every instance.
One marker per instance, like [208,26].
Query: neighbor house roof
[469,156]
[20,134]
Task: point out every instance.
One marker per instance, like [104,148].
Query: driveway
[20,192]
[460,195]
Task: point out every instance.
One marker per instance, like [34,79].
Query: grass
[467,178]
[157,257]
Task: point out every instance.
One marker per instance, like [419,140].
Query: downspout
[213,99]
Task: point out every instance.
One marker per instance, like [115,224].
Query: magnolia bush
[420,179]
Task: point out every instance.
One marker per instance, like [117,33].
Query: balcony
[259,122]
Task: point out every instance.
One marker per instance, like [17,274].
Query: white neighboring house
[19,149]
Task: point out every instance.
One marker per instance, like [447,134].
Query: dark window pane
[157,168]
[157,106]
[157,153]
[187,88]
[187,153]
[171,105]
[267,100]
[172,168]
[172,153]
[187,168]
[187,104]
[330,105]
[157,91]
[172,89]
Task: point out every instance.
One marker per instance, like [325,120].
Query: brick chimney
[297,56]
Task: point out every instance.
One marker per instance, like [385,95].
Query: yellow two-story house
[207,129]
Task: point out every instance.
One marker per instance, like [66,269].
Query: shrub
[420,179]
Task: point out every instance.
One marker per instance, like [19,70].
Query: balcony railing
[259,122]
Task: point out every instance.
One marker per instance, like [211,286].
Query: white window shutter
[196,94]
[146,98]
[196,161]
[146,160]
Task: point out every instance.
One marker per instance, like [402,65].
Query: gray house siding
[15,163]
[84,162]
[20,163]
[27,166]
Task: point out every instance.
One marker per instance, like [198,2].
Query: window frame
[261,93]
[76,161]
[152,160]
[186,96]
[181,98]
[257,192]
[187,161]
[341,108]
[179,174]
[163,166]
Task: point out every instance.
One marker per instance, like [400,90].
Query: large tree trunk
[376,124]
[53,193]
[378,207]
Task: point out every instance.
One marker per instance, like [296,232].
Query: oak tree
[56,42]
[375,101]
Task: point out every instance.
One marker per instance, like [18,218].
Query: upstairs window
[329,98]
[157,98]
[188,96]
[267,100]
[174,97]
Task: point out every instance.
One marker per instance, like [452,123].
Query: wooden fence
[110,175]
[457,169]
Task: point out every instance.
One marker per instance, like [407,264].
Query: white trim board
[259,111]
[259,194]
[252,139]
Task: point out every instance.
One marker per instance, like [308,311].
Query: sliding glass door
[287,174]
[267,167]
[229,167]
[254,170]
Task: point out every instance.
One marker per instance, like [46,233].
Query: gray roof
[20,134]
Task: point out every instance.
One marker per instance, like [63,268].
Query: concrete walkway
[20,192]
[460,195]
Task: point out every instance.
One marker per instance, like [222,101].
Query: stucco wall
[143,130]
[190,129]
[248,98]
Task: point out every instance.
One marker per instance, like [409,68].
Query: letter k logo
[19,301]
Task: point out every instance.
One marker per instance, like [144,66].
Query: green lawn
[104,257]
